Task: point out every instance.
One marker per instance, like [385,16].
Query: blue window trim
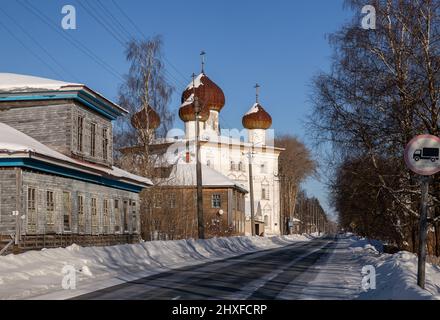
[68,173]
[81,96]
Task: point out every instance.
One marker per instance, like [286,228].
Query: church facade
[231,151]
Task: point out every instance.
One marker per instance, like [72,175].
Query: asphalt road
[261,275]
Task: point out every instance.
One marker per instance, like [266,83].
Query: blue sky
[279,44]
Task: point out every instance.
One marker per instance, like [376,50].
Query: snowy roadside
[339,274]
[39,274]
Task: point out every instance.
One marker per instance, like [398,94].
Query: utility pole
[251,191]
[200,222]
[423,232]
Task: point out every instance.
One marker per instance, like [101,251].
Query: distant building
[173,204]
[56,167]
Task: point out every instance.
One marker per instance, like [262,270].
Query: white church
[229,151]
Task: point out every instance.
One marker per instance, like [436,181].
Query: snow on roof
[14,141]
[17,82]
[188,101]
[185,175]
[254,109]
[11,82]
[197,82]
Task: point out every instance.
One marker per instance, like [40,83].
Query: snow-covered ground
[339,275]
[39,274]
[336,275]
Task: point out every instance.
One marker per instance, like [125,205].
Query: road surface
[254,276]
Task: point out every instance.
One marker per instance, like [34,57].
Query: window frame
[81,214]
[105,144]
[216,200]
[93,130]
[50,208]
[80,133]
[31,209]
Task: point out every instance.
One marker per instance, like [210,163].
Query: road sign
[422,155]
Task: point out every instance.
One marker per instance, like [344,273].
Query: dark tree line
[311,217]
[295,165]
[383,89]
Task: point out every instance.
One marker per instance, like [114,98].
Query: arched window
[267,211]
[263,193]
[265,190]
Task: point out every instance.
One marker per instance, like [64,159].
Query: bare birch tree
[382,90]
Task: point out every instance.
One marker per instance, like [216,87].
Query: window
[31,211]
[134,216]
[67,211]
[266,220]
[81,215]
[216,201]
[241,166]
[106,216]
[263,168]
[265,193]
[172,200]
[157,199]
[93,139]
[94,210]
[50,208]
[117,217]
[232,166]
[125,212]
[80,126]
[105,144]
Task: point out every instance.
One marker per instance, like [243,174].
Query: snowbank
[396,273]
[38,274]
[338,276]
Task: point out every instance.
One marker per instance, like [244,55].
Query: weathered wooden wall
[101,123]
[181,221]
[46,122]
[8,198]
[44,182]
[54,123]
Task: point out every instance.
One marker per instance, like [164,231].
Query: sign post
[422,156]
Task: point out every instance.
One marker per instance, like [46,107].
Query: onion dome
[147,118]
[210,94]
[257,118]
[187,111]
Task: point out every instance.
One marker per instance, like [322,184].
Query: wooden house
[58,185]
[172,204]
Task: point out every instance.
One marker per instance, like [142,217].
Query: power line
[101,21]
[29,49]
[115,19]
[39,45]
[35,11]
[120,37]
[139,30]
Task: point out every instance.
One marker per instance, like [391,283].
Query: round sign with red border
[422,155]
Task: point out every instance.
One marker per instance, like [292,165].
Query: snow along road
[261,275]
